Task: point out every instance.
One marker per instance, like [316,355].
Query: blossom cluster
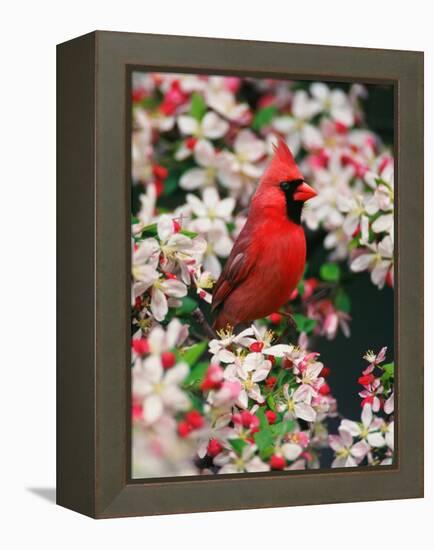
[248,405]
[249,401]
[199,134]
[372,439]
[252,406]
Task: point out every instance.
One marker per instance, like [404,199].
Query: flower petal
[152,408]
[291,451]
[159,306]
[187,125]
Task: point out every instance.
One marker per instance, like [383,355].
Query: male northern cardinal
[268,257]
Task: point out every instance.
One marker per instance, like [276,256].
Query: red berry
[287,363]
[159,187]
[275,318]
[167,107]
[256,347]
[324,389]
[160,172]
[340,127]
[309,287]
[270,381]
[277,462]
[141,346]
[137,411]
[246,418]
[366,380]
[293,294]
[138,95]
[168,359]
[356,231]
[194,419]
[176,226]
[271,416]
[389,278]
[325,372]
[214,448]
[184,429]
[367,401]
[190,143]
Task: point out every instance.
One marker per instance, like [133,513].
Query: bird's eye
[285,185]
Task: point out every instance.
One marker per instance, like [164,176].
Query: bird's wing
[236,269]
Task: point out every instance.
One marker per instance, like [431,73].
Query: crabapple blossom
[240,170]
[378,258]
[297,403]
[231,463]
[224,103]
[210,209]
[158,388]
[210,127]
[219,348]
[297,128]
[347,453]
[368,429]
[249,371]
[251,399]
[205,173]
[335,102]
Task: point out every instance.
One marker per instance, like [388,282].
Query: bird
[268,258]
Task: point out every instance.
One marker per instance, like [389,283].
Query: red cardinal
[268,258]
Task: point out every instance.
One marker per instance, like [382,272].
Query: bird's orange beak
[304,192]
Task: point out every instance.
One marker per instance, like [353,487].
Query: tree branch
[200,318]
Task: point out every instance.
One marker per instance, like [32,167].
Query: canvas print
[262,299]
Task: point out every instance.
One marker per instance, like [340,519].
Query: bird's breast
[284,253]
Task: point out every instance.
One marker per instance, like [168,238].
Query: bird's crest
[282,166]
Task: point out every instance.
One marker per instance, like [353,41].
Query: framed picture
[240,274]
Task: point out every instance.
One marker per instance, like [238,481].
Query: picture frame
[93,385]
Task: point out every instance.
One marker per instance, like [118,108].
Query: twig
[200,318]
[323,291]
[290,331]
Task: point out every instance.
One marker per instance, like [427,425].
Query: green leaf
[263,117]
[283,377]
[237,445]
[354,243]
[330,272]
[170,184]
[152,231]
[342,301]
[149,103]
[304,324]
[267,452]
[264,440]
[188,306]
[263,420]
[389,371]
[193,353]
[198,106]
[197,374]
[196,401]
[283,428]
[190,234]
[271,402]
[300,288]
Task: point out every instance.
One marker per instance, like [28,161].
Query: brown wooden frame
[93,439]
